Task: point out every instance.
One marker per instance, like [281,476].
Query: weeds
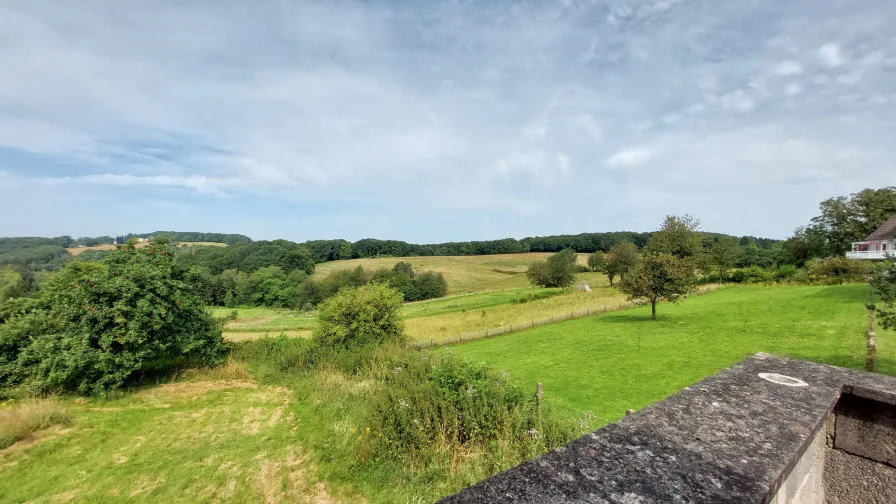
[20,420]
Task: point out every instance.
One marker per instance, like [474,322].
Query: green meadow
[616,361]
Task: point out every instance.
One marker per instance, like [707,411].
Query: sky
[439,121]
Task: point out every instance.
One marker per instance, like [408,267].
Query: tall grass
[386,414]
[20,420]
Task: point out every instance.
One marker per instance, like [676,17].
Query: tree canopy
[558,271]
[95,326]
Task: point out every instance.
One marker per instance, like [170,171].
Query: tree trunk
[653,308]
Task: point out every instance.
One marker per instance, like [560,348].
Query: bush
[431,285]
[785,272]
[360,317]
[558,271]
[837,270]
[94,327]
[19,420]
[753,275]
[432,402]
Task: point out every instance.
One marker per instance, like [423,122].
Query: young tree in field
[724,255]
[558,271]
[597,261]
[360,317]
[659,276]
[666,272]
[622,259]
[883,283]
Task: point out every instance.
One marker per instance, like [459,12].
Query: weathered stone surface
[733,437]
[866,427]
[849,479]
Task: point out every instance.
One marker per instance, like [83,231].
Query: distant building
[879,244]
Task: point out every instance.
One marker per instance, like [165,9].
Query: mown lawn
[612,362]
[218,439]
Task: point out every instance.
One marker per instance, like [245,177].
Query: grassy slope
[207,441]
[594,364]
[464,273]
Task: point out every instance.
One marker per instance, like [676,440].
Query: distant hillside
[192,236]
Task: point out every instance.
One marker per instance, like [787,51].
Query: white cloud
[830,56]
[630,157]
[359,106]
[787,68]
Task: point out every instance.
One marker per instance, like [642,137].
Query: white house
[878,245]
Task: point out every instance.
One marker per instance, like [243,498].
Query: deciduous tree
[621,260]
[659,276]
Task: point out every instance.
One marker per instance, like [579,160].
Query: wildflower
[470,390]
[402,405]
[532,433]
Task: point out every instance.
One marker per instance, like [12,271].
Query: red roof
[886,231]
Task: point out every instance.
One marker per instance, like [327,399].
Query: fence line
[507,329]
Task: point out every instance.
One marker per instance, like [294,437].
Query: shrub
[95,326]
[431,285]
[431,402]
[753,275]
[19,420]
[359,317]
[785,272]
[558,271]
[837,270]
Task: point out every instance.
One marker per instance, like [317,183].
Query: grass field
[464,273]
[436,319]
[609,363]
[218,439]
[228,436]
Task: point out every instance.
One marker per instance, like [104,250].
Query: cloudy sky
[437,121]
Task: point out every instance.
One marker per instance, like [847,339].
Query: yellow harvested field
[463,273]
[77,250]
[201,244]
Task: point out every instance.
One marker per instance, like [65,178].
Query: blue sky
[439,121]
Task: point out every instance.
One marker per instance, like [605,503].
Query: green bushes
[94,327]
[753,275]
[361,317]
[428,403]
[558,271]
[837,270]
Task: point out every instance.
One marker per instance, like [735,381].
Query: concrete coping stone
[733,437]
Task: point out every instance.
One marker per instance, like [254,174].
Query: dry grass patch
[446,327]
[20,420]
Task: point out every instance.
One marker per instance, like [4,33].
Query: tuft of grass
[20,420]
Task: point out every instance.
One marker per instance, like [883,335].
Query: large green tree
[846,219]
[95,326]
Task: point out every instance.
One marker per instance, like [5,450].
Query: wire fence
[523,326]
